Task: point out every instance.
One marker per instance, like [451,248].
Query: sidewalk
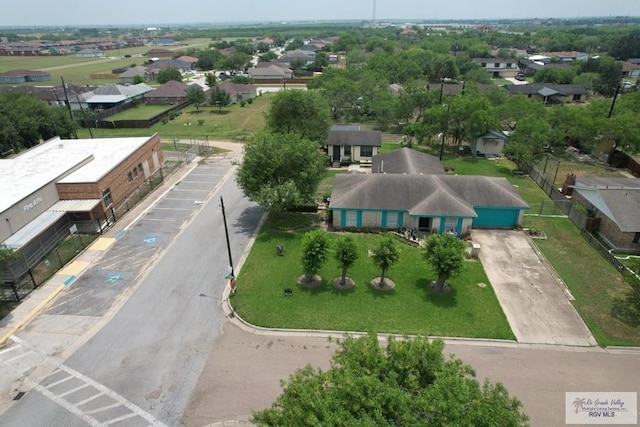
[40,297]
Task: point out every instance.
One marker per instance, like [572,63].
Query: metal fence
[545,180]
[37,267]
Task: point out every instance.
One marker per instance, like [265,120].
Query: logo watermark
[601,407]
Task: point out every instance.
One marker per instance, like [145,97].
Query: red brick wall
[117,179]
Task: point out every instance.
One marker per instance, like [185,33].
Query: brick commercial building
[58,184]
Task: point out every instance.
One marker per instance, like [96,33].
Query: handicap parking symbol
[150,239]
[113,277]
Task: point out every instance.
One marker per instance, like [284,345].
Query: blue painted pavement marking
[119,234]
[150,239]
[113,277]
[69,279]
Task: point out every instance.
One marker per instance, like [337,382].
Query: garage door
[496,218]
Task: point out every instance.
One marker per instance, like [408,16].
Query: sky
[159,12]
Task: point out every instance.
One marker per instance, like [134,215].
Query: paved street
[244,369]
[139,322]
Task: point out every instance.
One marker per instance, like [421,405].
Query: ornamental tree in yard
[445,253]
[315,247]
[407,383]
[345,255]
[384,256]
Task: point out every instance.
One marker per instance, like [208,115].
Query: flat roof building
[60,183]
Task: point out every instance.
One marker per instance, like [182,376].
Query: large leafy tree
[280,171]
[210,80]
[195,95]
[168,74]
[445,253]
[346,255]
[315,248]
[409,383]
[25,120]
[299,111]
[219,98]
[385,254]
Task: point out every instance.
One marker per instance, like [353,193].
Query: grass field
[78,70]
[469,310]
[609,306]
[140,112]
[234,123]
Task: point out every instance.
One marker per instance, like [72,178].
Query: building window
[484,65]
[351,219]
[450,224]
[496,65]
[139,167]
[576,97]
[347,150]
[509,64]
[366,151]
[636,238]
[134,172]
[129,177]
[106,197]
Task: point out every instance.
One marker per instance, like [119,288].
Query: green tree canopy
[168,74]
[315,247]
[219,97]
[195,95]
[298,111]
[407,383]
[25,120]
[210,80]
[385,254]
[280,171]
[346,255]
[445,253]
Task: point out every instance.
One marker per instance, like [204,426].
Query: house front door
[423,223]
[336,153]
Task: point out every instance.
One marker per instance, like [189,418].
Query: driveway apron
[534,302]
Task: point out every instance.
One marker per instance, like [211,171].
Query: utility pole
[613,103]
[444,131]
[231,276]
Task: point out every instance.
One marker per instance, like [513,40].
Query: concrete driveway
[535,303]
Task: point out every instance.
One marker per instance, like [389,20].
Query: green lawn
[469,310]
[140,112]
[608,305]
[234,123]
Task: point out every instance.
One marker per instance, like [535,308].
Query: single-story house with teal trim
[432,203]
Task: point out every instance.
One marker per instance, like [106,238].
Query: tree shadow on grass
[627,308]
[380,293]
[445,299]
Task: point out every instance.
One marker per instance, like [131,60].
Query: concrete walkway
[531,294]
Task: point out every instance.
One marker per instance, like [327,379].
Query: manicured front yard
[469,310]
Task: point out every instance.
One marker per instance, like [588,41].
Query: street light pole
[231,276]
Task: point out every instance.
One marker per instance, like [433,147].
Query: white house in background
[90,53]
[499,67]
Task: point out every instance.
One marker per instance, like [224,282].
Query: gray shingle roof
[406,160]
[355,138]
[423,195]
[617,198]
[530,89]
